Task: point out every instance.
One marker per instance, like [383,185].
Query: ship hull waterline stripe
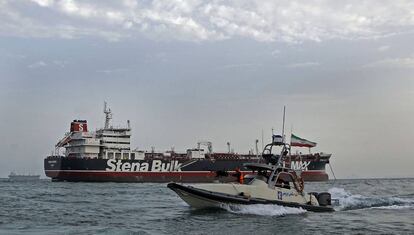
[167,172]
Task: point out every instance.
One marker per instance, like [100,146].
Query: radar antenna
[108,115]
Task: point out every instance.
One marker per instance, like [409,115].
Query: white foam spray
[348,201]
[261,209]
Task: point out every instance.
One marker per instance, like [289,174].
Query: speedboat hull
[200,198]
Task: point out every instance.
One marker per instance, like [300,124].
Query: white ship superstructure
[106,143]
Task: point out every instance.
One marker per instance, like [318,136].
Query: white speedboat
[271,184]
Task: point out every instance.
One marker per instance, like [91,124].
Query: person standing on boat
[239,175]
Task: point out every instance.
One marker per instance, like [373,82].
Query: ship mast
[108,115]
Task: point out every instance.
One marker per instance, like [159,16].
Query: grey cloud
[383,48]
[303,65]
[284,21]
[44,3]
[238,66]
[110,71]
[402,62]
[37,64]
[55,63]
[60,63]
[275,53]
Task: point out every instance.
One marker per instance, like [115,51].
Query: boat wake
[261,209]
[348,201]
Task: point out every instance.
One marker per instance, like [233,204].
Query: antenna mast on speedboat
[283,125]
[279,160]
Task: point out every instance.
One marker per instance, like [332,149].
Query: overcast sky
[184,71]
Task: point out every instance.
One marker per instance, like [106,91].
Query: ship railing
[55,156]
[125,155]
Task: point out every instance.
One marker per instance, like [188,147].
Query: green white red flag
[296,141]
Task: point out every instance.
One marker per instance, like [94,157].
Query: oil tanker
[105,155]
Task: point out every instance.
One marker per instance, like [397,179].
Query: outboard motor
[324,199]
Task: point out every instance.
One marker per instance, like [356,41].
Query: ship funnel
[79,126]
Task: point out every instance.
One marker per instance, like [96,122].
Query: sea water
[367,206]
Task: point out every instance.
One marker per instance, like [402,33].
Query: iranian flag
[299,142]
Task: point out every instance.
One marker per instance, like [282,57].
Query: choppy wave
[348,201]
[53,208]
[393,207]
[261,209]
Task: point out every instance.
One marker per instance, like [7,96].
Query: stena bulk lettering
[155,166]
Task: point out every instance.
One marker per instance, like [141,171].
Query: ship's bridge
[108,143]
[115,138]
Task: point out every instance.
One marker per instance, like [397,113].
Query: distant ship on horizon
[18,177]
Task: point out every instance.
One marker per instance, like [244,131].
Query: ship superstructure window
[117,155]
[110,155]
[125,156]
